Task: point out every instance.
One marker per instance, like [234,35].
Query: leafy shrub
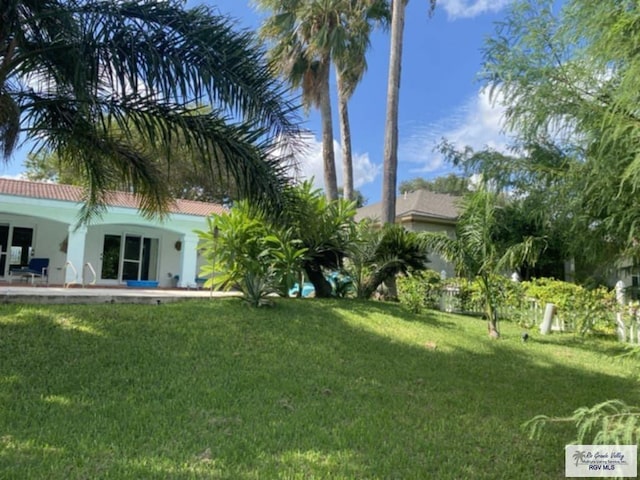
[581,309]
[420,290]
[244,250]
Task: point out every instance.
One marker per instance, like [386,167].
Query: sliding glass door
[129,257]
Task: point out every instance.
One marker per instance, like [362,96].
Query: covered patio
[40,220]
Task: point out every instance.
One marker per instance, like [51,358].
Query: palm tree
[83,78]
[390,163]
[306,36]
[301,32]
[323,228]
[475,251]
[351,63]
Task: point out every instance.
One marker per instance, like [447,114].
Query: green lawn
[308,389]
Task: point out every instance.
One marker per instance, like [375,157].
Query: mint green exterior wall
[54,228]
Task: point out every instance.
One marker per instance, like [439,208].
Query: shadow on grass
[369,308]
[219,390]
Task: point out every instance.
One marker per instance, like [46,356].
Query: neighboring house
[40,220]
[422,211]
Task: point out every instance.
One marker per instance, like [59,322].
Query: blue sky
[439,95]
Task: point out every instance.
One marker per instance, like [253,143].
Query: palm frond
[84,68]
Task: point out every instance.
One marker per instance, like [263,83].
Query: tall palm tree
[83,78]
[306,35]
[390,163]
[360,18]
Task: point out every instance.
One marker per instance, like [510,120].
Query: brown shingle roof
[421,203]
[70,193]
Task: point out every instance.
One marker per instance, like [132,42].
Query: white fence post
[549,312]
[621,330]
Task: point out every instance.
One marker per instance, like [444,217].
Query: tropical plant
[390,162]
[312,237]
[233,247]
[286,255]
[258,287]
[378,254]
[85,78]
[245,250]
[475,253]
[324,230]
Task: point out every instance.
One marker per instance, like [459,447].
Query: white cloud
[311,165]
[471,8]
[477,124]
[14,176]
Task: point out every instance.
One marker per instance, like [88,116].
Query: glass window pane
[130,270]
[132,248]
[110,257]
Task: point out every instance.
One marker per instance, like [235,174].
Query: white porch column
[75,253]
[189,257]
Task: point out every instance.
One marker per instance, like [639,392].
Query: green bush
[244,250]
[420,290]
[581,309]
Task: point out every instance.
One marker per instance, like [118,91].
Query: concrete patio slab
[60,295]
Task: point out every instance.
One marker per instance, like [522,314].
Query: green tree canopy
[452,184]
[568,77]
[85,78]
[545,189]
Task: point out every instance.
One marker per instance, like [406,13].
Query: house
[422,211]
[40,220]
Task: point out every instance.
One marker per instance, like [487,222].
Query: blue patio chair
[37,268]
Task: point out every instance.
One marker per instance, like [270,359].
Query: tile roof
[71,193]
[421,203]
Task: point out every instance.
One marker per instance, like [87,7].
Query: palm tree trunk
[491,311]
[390,168]
[320,284]
[328,155]
[345,138]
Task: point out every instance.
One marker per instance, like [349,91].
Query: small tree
[476,253]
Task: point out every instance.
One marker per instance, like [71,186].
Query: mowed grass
[308,389]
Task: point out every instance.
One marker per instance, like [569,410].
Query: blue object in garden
[307,290]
